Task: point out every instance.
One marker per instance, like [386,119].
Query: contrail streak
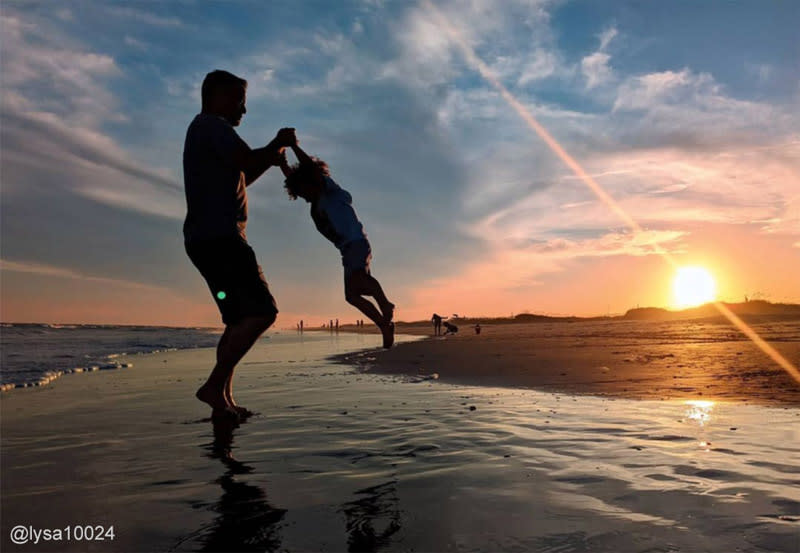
[478,64]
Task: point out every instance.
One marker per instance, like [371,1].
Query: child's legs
[356,258]
[358,284]
[373,288]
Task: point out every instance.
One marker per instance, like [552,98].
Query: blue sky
[686,114]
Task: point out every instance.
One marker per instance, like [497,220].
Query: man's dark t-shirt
[216,193]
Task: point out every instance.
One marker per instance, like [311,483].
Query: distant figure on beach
[451,328]
[335,218]
[477,328]
[218,166]
[437,324]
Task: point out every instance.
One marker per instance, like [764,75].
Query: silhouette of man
[217,167]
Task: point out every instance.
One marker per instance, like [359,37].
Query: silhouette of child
[335,218]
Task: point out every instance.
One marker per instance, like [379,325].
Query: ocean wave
[37,354]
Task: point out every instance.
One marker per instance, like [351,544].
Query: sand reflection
[245,520]
[699,411]
[373,518]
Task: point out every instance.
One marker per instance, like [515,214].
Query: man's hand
[286,137]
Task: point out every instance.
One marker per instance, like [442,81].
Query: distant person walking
[437,324]
[218,166]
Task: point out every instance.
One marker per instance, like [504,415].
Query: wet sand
[340,460]
[637,360]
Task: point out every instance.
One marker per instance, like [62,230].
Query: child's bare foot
[388,312]
[213,396]
[388,335]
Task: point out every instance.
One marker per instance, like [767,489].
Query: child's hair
[304,172]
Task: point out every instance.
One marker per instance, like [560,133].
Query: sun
[693,286]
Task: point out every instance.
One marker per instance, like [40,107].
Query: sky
[687,114]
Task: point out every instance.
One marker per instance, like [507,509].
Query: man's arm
[255,162]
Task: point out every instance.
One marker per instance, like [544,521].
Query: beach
[677,360]
[339,459]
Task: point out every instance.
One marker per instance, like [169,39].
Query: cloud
[39,73]
[692,111]
[665,189]
[607,36]
[596,69]
[146,17]
[60,142]
[542,64]
[60,272]
[647,242]
[509,277]
[65,14]
[135,43]
[646,91]
[428,57]
[55,102]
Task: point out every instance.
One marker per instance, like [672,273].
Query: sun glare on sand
[693,286]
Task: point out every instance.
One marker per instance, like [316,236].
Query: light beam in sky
[478,64]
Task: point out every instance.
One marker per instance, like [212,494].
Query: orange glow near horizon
[478,64]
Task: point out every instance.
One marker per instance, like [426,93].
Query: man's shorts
[356,256]
[234,277]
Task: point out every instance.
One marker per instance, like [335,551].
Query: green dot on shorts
[221,295]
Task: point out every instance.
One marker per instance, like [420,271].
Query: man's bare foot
[243,412]
[388,335]
[226,414]
[214,397]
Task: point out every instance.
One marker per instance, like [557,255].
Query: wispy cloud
[595,67]
[607,36]
[143,16]
[60,272]
[41,74]
[55,102]
[135,43]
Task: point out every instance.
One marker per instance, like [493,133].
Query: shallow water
[343,461]
[37,354]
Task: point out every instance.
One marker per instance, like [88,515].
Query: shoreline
[118,361]
[554,358]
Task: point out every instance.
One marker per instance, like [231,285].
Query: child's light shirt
[334,216]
